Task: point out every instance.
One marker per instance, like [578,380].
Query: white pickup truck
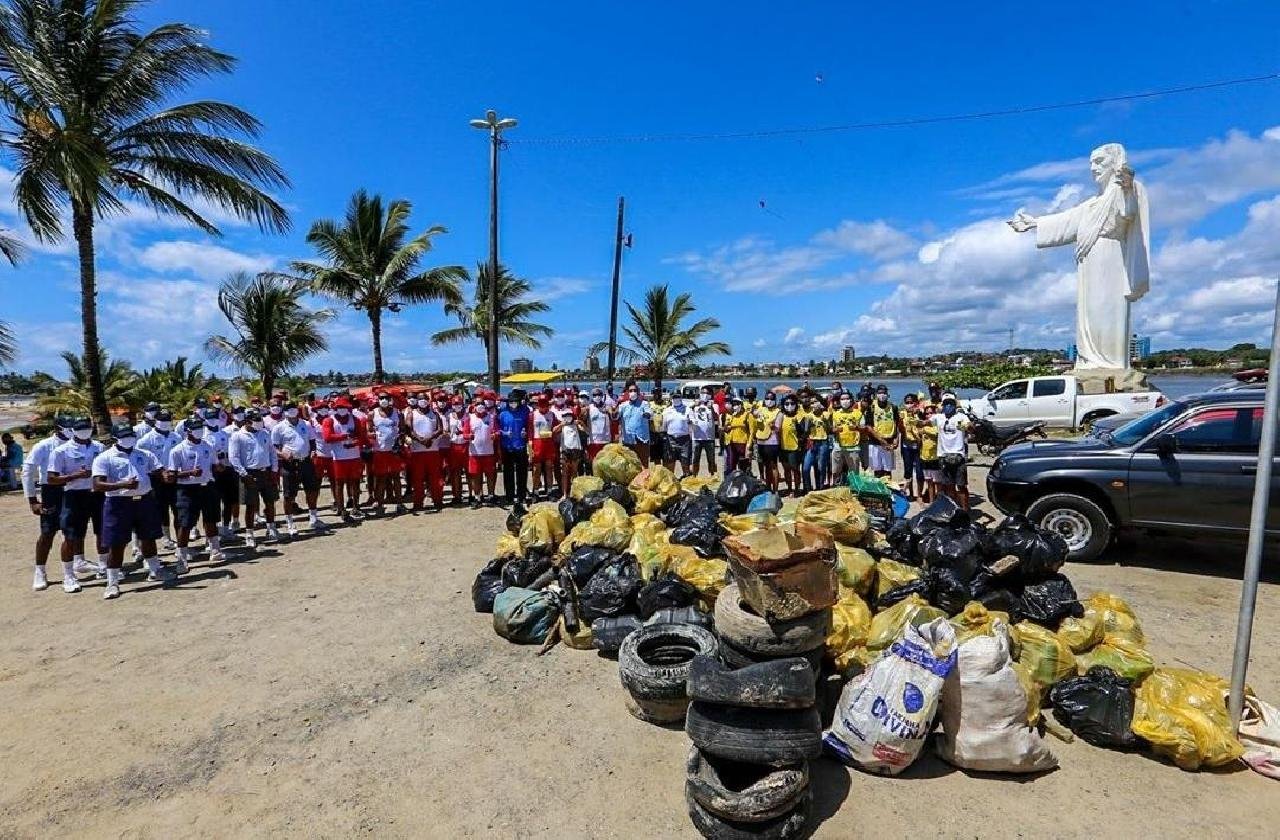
[1058,401]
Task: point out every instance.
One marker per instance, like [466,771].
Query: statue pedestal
[1111,380]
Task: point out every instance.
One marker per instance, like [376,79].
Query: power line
[899,123]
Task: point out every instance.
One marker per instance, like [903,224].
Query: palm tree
[274,331]
[87,94]
[74,398]
[174,385]
[514,311]
[372,265]
[659,340]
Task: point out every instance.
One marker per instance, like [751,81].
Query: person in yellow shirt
[793,427]
[657,439]
[765,439]
[846,425]
[886,426]
[929,463]
[817,458]
[739,427]
[912,421]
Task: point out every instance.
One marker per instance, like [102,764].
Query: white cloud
[793,336]
[554,288]
[200,259]
[877,239]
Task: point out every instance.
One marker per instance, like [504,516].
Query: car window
[1011,391]
[1135,430]
[1048,387]
[1226,429]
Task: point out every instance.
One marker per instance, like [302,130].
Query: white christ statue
[1112,239]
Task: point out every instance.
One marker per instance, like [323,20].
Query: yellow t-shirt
[883,421]
[911,426]
[789,434]
[818,423]
[845,424]
[764,418]
[738,427]
[655,421]
[928,442]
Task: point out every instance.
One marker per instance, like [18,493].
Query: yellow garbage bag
[654,488]
[578,641]
[850,624]
[837,510]
[855,568]
[707,575]
[509,546]
[1029,688]
[648,532]
[616,463]
[1117,619]
[887,626]
[891,574]
[747,522]
[1122,655]
[584,484]
[541,529]
[977,620]
[609,527]
[1081,634]
[1046,657]
[1183,713]
[695,484]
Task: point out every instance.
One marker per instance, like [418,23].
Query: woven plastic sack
[695,484]
[855,568]
[654,489]
[850,624]
[705,574]
[609,527]
[584,484]
[1081,634]
[1046,657]
[888,625]
[1120,654]
[890,574]
[838,511]
[509,546]
[541,529]
[1117,619]
[885,714]
[616,463]
[1183,714]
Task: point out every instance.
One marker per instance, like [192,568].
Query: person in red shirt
[457,447]
[346,435]
[546,455]
[480,430]
[425,427]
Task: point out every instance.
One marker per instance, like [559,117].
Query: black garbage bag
[696,522]
[902,542]
[1098,707]
[960,549]
[612,590]
[701,506]
[1039,552]
[522,571]
[919,586]
[668,591]
[487,585]
[737,490]
[1050,601]
[947,589]
[586,560]
[595,500]
[1000,600]
[942,511]
[571,512]
[513,522]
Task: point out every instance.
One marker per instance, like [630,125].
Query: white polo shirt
[35,471]
[159,443]
[188,456]
[113,465]
[71,457]
[293,441]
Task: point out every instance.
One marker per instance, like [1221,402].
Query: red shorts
[387,463]
[347,469]
[458,457]
[324,466]
[481,464]
[593,449]
[545,451]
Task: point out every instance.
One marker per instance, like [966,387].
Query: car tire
[1080,521]
[660,712]
[740,792]
[793,824]
[653,662]
[754,635]
[757,736]
[780,684]
[734,658]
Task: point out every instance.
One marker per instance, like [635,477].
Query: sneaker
[438,508]
[217,557]
[356,513]
[319,527]
[475,504]
[84,567]
[70,584]
[137,555]
[112,591]
[272,533]
[399,510]
[182,567]
[348,518]
[195,533]
[225,533]
[168,544]
[249,541]
[41,580]
[291,529]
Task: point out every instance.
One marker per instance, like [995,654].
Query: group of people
[221,469]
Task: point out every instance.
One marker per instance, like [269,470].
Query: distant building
[1139,347]
[591,364]
[1180,361]
[847,355]
[1070,353]
[521,365]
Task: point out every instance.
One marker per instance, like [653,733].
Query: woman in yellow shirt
[765,439]
[793,430]
[817,459]
[739,426]
[929,464]
[846,440]
[912,421]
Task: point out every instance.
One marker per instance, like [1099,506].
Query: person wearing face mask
[255,461]
[542,424]
[190,470]
[912,422]
[792,429]
[294,442]
[571,434]
[159,441]
[480,431]
[846,428]
[275,411]
[929,464]
[346,435]
[148,421]
[704,427]
[599,425]
[953,451]
[767,422]
[454,471]
[886,423]
[425,427]
[70,467]
[657,438]
[514,423]
[226,486]
[635,419]
[677,436]
[816,468]
[386,428]
[739,431]
[458,457]
[43,497]
[125,475]
[321,457]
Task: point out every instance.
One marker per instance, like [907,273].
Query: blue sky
[888,239]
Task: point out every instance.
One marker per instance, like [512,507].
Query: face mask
[770,403]
[559,401]
[634,396]
[126,443]
[846,403]
[256,425]
[83,435]
[424,403]
[322,412]
[343,414]
[276,410]
[882,398]
[706,398]
[488,403]
[237,418]
[789,409]
[677,403]
[164,425]
[292,414]
[196,435]
[948,410]
[385,403]
[598,400]
[737,409]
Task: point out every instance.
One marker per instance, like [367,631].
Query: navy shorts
[258,484]
[228,488]
[123,517]
[51,501]
[79,508]
[195,502]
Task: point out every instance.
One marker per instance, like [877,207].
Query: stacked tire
[754,730]
[747,638]
[654,662]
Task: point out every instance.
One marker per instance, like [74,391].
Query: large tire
[756,736]
[793,824]
[682,615]
[740,792]
[779,684]
[732,657]
[660,712]
[653,662]
[1080,521]
[751,633]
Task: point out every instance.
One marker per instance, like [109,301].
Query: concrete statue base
[1111,380]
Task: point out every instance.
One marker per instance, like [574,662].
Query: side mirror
[1166,445]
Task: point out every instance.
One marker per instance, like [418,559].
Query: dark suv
[1186,467]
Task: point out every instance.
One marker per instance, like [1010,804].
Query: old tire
[608,634]
[750,633]
[682,615]
[732,657]
[757,736]
[660,712]
[793,824]
[779,684]
[653,662]
[1080,521]
[741,792]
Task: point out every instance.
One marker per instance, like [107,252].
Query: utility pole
[495,127]
[617,277]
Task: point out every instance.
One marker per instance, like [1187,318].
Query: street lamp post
[495,127]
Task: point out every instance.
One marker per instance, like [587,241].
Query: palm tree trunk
[268,381]
[82,224]
[375,322]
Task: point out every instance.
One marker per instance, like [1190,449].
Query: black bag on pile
[595,500]
[903,545]
[998,600]
[1050,601]
[737,490]
[571,512]
[522,571]
[906,535]
[487,585]
[586,560]
[612,590]
[668,591]
[1040,552]
[695,522]
[948,589]
[513,522]
[960,549]
[1097,706]
[919,586]
[701,506]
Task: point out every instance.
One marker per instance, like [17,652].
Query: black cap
[81,423]
[193,424]
[63,421]
[164,414]
[211,414]
[152,406]
[120,430]
[252,415]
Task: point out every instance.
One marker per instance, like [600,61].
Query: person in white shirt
[190,469]
[425,428]
[148,421]
[254,459]
[345,434]
[599,424]
[571,433]
[953,451]
[126,474]
[225,482]
[158,442]
[293,439]
[322,456]
[677,435]
[480,431]
[275,413]
[45,499]
[456,458]
[704,421]
[386,426]
[70,466]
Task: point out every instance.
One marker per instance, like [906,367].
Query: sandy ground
[343,685]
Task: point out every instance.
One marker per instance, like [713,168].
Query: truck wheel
[1078,520]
